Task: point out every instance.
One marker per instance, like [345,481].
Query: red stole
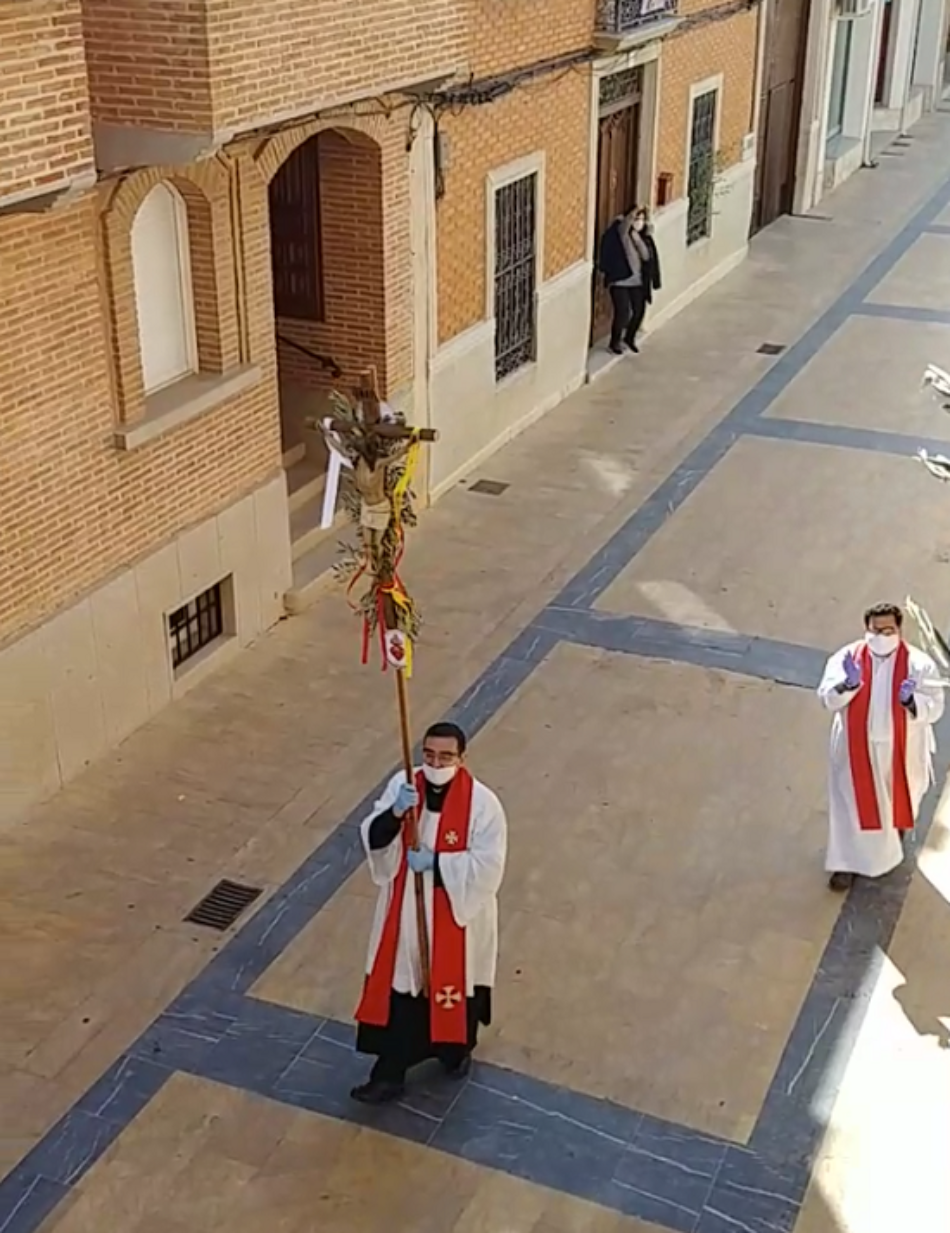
[862,776]
[448,1009]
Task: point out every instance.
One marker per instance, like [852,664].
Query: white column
[927,69]
[903,30]
[810,162]
[862,75]
[424,274]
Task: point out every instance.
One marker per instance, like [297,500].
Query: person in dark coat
[630,264]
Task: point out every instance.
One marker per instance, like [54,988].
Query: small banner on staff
[399,651]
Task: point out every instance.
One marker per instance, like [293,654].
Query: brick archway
[326,221]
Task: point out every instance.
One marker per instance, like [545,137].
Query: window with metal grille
[196,624]
[702,167]
[515,275]
[296,256]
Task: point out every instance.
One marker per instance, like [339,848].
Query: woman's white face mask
[439,776]
[882,644]
[639,224]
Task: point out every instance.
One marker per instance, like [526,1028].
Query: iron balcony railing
[626,16]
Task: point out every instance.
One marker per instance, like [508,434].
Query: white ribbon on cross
[335,464]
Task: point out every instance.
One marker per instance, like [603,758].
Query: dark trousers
[391,1068]
[630,307]
[405,1041]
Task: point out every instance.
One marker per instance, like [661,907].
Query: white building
[873,68]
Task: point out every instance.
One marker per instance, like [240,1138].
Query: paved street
[691,1032]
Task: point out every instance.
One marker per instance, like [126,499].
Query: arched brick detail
[352,261]
[279,148]
[205,189]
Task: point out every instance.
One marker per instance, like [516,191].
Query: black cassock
[406,1040]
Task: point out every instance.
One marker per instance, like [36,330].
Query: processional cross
[380,452]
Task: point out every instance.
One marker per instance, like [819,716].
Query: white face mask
[882,644]
[439,776]
[638,224]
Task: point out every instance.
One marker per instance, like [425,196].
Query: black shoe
[631,343]
[378,1092]
[840,881]
[615,348]
[460,1070]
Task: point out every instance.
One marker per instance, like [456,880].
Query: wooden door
[884,54]
[786,38]
[616,192]
[777,176]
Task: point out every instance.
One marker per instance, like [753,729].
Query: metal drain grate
[221,907]
[771,349]
[489,488]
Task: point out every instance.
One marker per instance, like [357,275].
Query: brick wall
[366,254]
[550,115]
[148,63]
[44,110]
[305,55]
[73,507]
[228,65]
[353,331]
[502,34]
[727,47]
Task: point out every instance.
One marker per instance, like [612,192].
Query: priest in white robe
[885,697]
[461,857]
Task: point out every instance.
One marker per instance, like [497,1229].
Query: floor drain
[489,488]
[771,349]
[221,907]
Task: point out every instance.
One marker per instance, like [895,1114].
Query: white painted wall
[689,270]
[826,164]
[76,686]
[474,414]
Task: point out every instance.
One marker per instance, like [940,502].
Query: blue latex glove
[407,797]
[421,861]
[907,690]
[852,673]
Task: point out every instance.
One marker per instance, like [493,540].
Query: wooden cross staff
[366,441]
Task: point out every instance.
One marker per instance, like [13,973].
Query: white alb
[850,849]
[471,878]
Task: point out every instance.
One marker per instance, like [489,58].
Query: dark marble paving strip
[938,229]
[76,1142]
[26,1199]
[547,1134]
[600,571]
[873,440]
[593,579]
[902,312]
[786,663]
[798,1104]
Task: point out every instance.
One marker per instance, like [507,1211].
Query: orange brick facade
[75,509]
[221,66]
[553,116]
[728,47]
[550,113]
[365,257]
[44,105]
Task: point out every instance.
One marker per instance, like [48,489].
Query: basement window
[199,624]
